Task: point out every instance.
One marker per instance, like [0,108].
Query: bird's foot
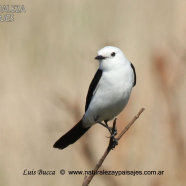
[113,132]
[113,141]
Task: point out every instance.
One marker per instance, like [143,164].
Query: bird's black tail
[71,136]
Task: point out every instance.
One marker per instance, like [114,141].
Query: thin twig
[88,179]
[130,124]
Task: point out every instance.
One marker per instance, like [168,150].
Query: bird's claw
[113,132]
[113,143]
[113,140]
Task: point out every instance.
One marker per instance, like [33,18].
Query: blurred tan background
[46,65]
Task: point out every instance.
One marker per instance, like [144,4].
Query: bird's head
[110,58]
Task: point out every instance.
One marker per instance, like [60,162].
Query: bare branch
[130,124]
[88,179]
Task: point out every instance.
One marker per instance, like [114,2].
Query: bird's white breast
[111,95]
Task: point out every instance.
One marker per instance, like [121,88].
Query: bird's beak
[99,57]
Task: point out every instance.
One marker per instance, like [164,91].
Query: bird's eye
[113,54]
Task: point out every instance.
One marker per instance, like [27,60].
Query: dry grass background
[46,65]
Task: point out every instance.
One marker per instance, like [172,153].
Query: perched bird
[107,96]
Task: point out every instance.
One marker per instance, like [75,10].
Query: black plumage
[71,136]
[134,74]
[92,87]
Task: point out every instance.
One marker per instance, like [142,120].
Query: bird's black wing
[134,74]
[92,87]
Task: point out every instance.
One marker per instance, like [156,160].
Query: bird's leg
[113,141]
[114,129]
[113,132]
[105,125]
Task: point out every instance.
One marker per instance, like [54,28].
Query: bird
[107,96]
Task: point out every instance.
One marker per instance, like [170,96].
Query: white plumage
[113,89]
